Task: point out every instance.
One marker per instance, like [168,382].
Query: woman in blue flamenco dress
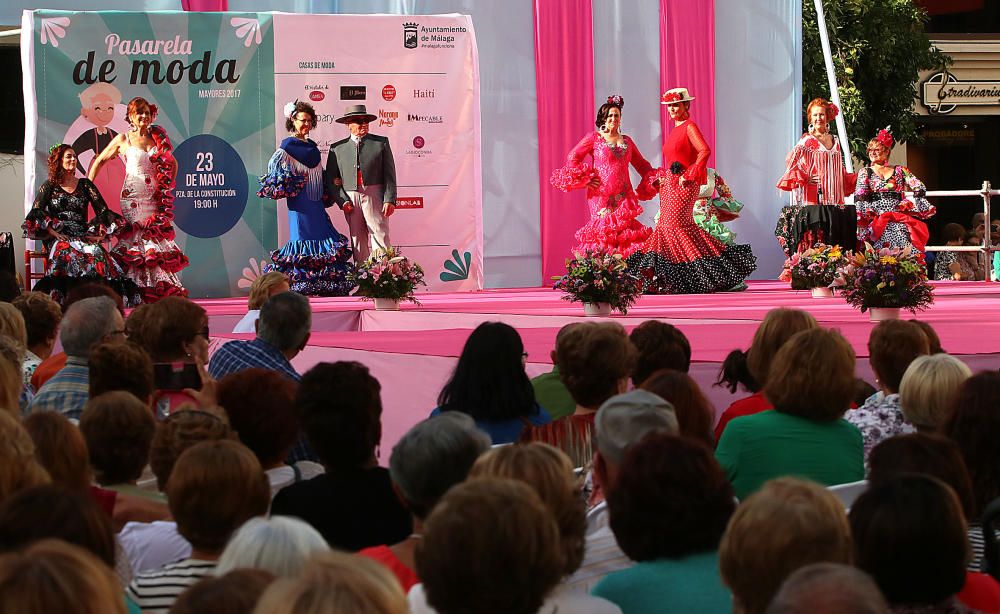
[316,257]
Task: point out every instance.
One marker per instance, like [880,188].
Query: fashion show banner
[420,76]
[213,78]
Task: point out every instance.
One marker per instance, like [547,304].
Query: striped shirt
[809,158]
[156,591]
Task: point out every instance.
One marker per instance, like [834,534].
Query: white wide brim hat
[677,94]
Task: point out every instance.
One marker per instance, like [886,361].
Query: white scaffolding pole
[824,39]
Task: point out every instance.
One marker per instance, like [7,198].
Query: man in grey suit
[362,180]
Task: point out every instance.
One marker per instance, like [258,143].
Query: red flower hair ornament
[884,137]
[616,100]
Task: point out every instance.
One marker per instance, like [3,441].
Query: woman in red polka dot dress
[679,257]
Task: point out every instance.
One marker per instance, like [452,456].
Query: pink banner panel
[564,83]
[687,59]
[205,5]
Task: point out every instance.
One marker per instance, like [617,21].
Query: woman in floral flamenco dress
[680,257]
[316,257]
[886,216]
[146,248]
[614,207]
[74,244]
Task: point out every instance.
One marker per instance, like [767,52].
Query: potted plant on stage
[601,282]
[814,269]
[884,281]
[388,277]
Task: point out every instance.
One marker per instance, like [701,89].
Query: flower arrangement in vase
[885,279]
[388,275]
[599,279]
[814,268]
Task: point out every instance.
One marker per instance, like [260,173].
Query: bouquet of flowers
[599,278]
[889,277]
[388,274]
[814,268]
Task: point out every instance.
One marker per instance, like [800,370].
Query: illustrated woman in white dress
[147,250]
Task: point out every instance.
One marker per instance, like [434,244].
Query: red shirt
[105,499]
[384,555]
[47,368]
[981,592]
[748,406]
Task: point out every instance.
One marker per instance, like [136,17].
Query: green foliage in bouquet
[388,274]
[889,277]
[599,278]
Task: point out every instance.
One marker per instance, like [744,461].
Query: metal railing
[987,248]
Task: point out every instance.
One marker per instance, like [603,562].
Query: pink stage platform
[412,351]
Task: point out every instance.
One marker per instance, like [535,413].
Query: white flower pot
[822,292]
[387,304]
[879,314]
[597,309]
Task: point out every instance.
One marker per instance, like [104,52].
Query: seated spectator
[121,366]
[430,458]
[41,319]
[938,457]
[151,545]
[928,389]
[483,530]
[658,346]
[623,421]
[19,469]
[550,392]
[341,412]
[489,384]
[974,425]
[933,340]
[805,434]
[751,368]
[260,405]
[282,332]
[549,473]
[53,576]
[87,322]
[13,332]
[786,525]
[278,545]
[694,412]
[62,450]
[175,330]
[949,265]
[236,592]
[57,512]
[119,431]
[909,534]
[51,365]
[11,383]
[892,346]
[829,588]
[213,489]
[135,325]
[335,582]
[596,359]
[668,509]
[261,289]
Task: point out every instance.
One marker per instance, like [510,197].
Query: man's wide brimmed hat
[678,94]
[356,112]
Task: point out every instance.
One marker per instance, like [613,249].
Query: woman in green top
[668,509]
[811,384]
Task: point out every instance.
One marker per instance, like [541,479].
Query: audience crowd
[140,474]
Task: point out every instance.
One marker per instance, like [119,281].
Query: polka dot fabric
[681,258]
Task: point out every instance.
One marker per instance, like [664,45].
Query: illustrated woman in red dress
[679,257]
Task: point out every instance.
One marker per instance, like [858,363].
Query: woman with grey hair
[279,544]
[431,458]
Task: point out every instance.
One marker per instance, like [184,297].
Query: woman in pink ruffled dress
[614,206]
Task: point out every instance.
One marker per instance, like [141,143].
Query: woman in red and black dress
[679,257]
